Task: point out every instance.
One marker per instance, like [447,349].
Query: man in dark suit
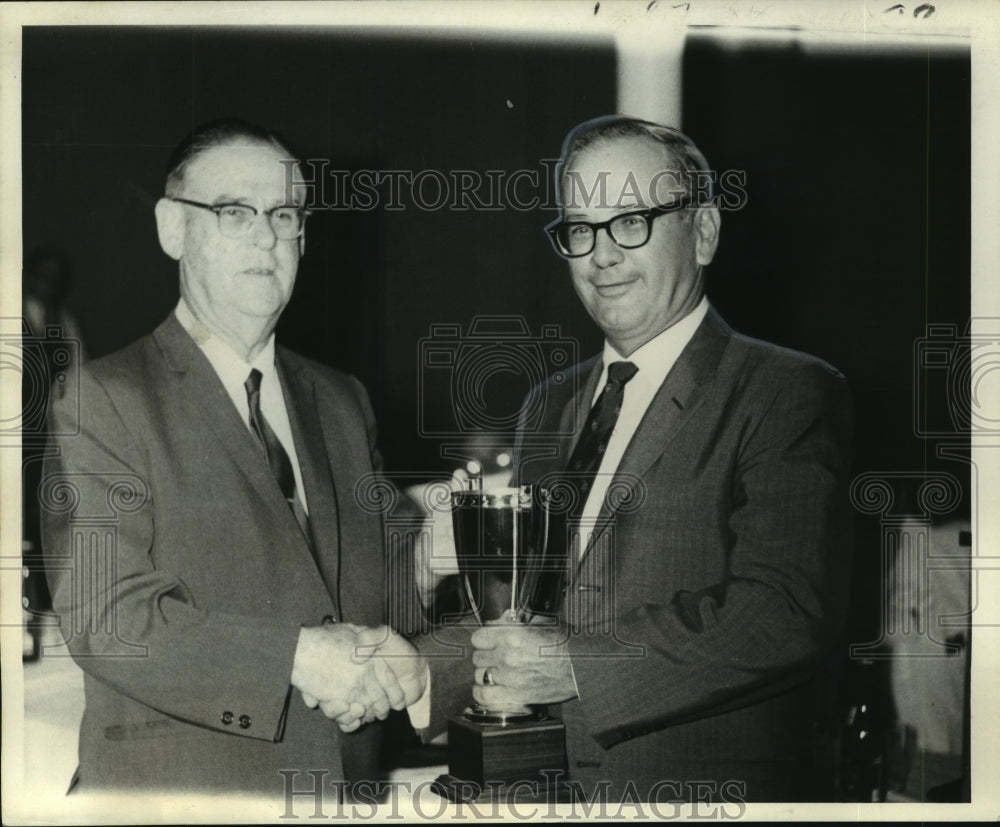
[708,587]
[215,575]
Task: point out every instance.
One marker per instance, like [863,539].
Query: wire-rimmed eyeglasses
[235,220]
[573,239]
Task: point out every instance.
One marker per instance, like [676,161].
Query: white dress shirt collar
[655,358]
[233,370]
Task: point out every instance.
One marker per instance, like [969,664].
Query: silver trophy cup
[505,562]
[508,573]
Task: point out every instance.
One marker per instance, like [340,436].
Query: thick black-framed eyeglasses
[235,220]
[573,239]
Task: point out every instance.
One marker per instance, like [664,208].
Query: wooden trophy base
[521,757]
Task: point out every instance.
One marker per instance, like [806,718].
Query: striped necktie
[277,457]
[593,442]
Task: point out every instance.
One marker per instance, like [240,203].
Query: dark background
[854,238]
[103,108]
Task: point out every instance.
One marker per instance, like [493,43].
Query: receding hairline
[672,161]
[679,152]
[666,164]
[221,134]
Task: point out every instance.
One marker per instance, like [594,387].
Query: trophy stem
[516,556]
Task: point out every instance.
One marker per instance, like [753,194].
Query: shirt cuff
[572,674]
[420,710]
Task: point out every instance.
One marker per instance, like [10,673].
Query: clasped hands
[356,674]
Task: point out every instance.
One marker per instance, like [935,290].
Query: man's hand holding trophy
[511,583]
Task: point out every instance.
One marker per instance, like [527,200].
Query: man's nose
[261,232]
[606,252]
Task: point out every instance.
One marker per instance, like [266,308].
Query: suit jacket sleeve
[129,624]
[446,648]
[761,628]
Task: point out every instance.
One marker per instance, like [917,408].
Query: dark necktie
[581,470]
[593,442]
[277,457]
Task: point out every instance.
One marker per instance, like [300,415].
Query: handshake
[356,674]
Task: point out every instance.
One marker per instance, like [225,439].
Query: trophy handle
[535,571]
[545,533]
[472,599]
[513,614]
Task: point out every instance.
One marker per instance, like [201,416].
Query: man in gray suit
[241,584]
[707,589]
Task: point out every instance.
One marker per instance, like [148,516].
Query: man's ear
[706,224]
[170,227]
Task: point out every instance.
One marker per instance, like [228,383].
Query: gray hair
[695,173]
[223,132]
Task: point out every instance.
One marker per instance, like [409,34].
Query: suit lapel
[577,411]
[201,389]
[204,392]
[572,417]
[680,395]
[314,465]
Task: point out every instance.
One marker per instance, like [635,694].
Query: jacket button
[328,620]
[244,722]
[227,717]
